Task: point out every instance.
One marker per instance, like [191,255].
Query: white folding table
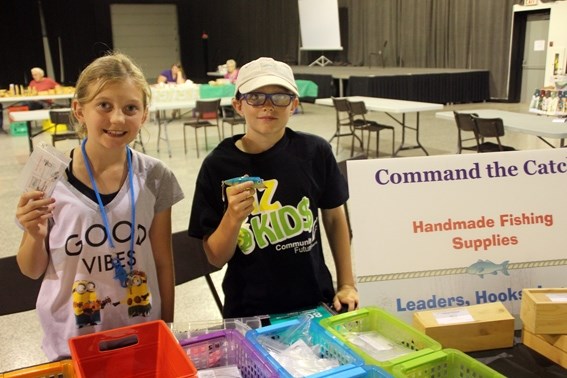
[390,107]
[33,116]
[162,120]
[537,125]
[16,99]
[28,116]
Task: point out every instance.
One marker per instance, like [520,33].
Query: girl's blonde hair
[111,68]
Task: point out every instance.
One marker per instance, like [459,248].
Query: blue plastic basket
[330,348]
[227,347]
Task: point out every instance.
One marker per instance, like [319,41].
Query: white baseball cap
[265,71]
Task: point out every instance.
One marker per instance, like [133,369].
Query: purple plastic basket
[227,347]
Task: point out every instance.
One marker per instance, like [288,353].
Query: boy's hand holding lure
[238,194]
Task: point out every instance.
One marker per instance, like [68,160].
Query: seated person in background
[40,83]
[172,75]
[231,71]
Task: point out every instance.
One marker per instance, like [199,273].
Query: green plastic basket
[18,128]
[446,363]
[396,331]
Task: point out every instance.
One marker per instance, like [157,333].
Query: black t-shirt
[278,265]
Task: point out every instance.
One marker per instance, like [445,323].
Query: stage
[438,85]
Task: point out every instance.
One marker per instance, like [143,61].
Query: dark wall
[81,30]
[22,48]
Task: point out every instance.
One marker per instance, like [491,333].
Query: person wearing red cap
[268,231]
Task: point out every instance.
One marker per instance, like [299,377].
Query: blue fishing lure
[258,182]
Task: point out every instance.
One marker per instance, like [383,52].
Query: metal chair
[465,123]
[62,117]
[358,113]
[490,128]
[19,293]
[206,115]
[190,262]
[232,118]
[344,120]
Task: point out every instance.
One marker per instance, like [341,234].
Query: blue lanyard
[120,273]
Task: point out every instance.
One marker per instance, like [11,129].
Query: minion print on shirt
[138,294]
[86,305]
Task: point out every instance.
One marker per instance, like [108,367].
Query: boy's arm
[336,228]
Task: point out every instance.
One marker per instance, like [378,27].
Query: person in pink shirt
[40,82]
[231,71]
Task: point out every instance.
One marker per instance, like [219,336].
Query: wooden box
[544,311]
[470,328]
[553,347]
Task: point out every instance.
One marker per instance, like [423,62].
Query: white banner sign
[443,231]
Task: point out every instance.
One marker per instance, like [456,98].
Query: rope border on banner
[454,271]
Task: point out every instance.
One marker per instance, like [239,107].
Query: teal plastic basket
[446,363]
[330,347]
[377,320]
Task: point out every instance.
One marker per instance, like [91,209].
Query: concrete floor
[20,334]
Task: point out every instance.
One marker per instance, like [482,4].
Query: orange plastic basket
[12,109]
[142,350]
[59,369]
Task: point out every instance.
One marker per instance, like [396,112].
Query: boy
[269,234]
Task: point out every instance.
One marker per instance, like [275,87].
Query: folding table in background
[394,108]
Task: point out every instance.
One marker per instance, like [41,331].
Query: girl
[103,240]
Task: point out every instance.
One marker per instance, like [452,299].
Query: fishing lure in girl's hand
[258,182]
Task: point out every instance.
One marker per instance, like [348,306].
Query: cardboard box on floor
[544,311]
[470,328]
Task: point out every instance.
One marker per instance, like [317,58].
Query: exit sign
[531,2]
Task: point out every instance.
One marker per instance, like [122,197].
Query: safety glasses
[259,98]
